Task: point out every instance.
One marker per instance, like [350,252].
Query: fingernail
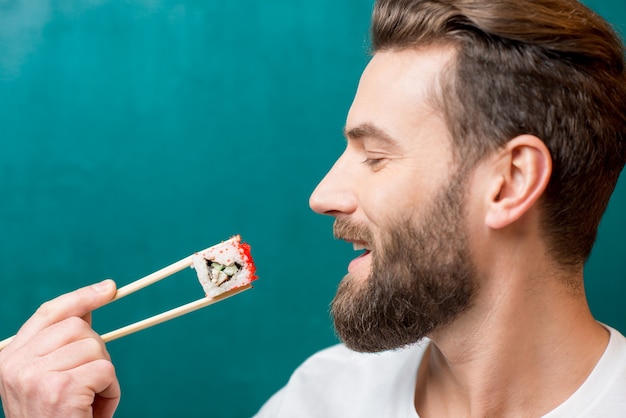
[103,287]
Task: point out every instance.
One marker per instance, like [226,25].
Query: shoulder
[607,382]
[603,394]
[344,364]
[340,382]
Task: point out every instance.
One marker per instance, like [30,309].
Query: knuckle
[75,322]
[26,379]
[76,327]
[7,376]
[106,366]
[105,369]
[15,372]
[54,388]
[92,345]
[45,309]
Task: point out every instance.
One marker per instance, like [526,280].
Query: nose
[335,194]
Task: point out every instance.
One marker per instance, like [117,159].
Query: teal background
[134,133]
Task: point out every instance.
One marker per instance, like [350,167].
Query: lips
[361,264]
[360,238]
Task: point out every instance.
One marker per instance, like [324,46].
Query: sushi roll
[225,266]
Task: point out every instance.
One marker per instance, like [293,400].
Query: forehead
[396,92]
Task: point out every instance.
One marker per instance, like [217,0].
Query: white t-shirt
[337,382]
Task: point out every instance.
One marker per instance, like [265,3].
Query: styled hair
[549,68]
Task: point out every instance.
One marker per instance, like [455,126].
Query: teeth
[358,247]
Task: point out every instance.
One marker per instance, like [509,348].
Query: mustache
[349,231]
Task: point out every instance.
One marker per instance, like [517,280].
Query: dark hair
[550,68]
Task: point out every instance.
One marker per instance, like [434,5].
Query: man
[483,144]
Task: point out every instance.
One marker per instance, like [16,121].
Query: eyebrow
[368,130]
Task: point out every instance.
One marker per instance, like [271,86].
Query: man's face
[395,192]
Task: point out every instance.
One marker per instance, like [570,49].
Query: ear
[522,172]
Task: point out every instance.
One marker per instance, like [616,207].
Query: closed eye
[373,162]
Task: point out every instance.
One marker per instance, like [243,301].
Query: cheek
[386,200]
[382,206]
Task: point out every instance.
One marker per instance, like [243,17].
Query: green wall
[134,133]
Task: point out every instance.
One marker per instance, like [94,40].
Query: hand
[57,365]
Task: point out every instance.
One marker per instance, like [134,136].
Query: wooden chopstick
[165,316]
[153,278]
[171,314]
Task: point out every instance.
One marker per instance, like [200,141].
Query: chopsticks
[153,278]
[171,314]
[165,316]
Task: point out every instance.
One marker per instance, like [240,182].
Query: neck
[524,347]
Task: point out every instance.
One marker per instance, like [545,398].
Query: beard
[421,278]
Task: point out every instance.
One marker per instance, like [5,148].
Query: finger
[74,354]
[72,393]
[77,303]
[57,335]
[98,380]
[106,401]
